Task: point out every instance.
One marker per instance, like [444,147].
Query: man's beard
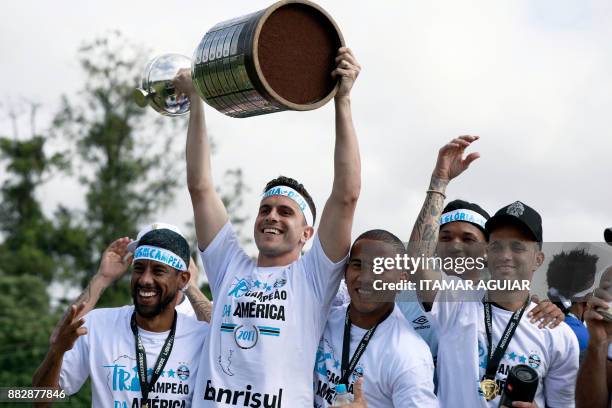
[153,310]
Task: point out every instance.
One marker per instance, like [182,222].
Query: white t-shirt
[266,326]
[186,308]
[409,305]
[407,302]
[396,365]
[462,351]
[107,354]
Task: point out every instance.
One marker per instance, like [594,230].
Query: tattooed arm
[424,237]
[114,264]
[200,303]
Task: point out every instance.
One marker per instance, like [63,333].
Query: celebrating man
[489,337]
[269,314]
[133,354]
[370,338]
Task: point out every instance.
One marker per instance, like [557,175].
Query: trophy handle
[140,97]
[157,89]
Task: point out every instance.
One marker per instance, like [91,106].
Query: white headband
[463,215]
[160,255]
[567,302]
[295,196]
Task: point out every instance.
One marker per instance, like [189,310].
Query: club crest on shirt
[182,372]
[534,360]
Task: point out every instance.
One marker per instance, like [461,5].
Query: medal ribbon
[494,358]
[141,358]
[347,368]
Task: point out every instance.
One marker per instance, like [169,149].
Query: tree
[129,166]
[33,253]
[127,159]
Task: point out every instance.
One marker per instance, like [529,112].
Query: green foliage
[25,325]
[129,166]
[127,162]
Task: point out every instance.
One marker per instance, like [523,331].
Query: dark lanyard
[494,358]
[141,358]
[347,368]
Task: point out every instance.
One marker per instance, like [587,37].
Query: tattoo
[200,303]
[85,295]
[424,237]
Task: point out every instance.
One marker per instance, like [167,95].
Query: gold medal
[489,388]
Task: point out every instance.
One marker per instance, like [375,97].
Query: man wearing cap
[136,356]
[489,337]
[269,313]
[462,235]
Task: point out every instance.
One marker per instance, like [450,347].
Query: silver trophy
[276,59]
[156,88]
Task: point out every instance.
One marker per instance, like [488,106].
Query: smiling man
[133,354]
[485,339]
[370,338]
[269,313]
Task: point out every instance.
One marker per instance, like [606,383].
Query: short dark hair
[571,272]
[297,186]
[382,236]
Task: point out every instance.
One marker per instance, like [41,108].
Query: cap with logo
[520,214]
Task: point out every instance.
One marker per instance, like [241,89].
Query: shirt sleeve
[322,275]
[75,364]
[445,310]
[560,380]
[219,254]
[413,385]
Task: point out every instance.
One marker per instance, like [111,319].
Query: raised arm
[63,338]
[337,217]
[114,264]
[424,237]
[208,209]
[592,384]
[200,303]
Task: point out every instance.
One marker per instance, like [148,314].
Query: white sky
[532,78]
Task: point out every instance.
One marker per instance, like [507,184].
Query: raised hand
[347,68]
[451,162]
[68,330]
[115,260]
[600,329]
[183,84]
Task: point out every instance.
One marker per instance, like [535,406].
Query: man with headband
[269,313]
[571,277]
[462,235]
[143,355]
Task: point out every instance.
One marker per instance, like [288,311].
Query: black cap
[464,205]
[518,213]
[608,235]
